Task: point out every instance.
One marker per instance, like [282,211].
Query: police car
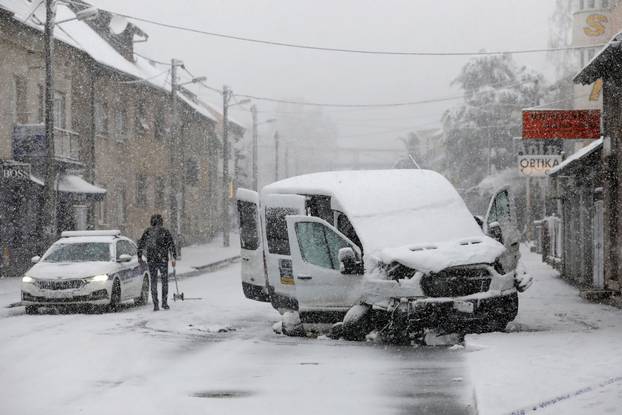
[86,267]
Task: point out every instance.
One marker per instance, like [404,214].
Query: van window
[319,206]
[345,227]
[276,230]
[249,238]
[319,245]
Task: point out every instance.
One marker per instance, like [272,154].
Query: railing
[66,144]
[30,144]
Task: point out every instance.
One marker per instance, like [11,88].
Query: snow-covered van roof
[393,208]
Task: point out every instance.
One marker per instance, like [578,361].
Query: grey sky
[415,25]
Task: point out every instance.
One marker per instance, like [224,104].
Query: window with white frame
[120,125]
[101,117]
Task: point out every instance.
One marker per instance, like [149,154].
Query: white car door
[251,245]
[502,211]
[321,288]
[128,272]
[280,280]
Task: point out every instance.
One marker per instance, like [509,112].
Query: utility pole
[48,215]
[226,95]
[255,169]
[286,159]
[276,156]
[174,156]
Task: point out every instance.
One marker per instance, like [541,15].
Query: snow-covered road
[216,355]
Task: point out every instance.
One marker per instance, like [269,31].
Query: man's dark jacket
[156,242]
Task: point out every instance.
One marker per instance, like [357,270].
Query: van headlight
[98,278]
[27,279]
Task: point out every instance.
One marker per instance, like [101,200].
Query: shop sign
[561,124]
[19,171]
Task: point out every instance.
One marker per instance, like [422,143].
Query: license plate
[464,306]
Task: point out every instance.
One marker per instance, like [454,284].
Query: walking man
[157,242]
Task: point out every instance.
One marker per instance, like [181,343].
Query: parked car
[391,250]
[86,267]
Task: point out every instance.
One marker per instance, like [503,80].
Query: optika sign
[537,166]
[16,172]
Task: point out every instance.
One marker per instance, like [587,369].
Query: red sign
[568,124]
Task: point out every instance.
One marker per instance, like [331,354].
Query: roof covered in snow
[577,157]
[391,208]
[80,35]
[607,60]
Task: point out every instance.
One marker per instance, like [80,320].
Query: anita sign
[15,172]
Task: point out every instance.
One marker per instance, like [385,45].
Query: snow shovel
[177,295]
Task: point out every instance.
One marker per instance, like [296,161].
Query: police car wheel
[115,296]
[144,292]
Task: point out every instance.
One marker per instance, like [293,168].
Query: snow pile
[559,356]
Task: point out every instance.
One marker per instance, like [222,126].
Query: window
[345,227]
[591,4]
[122,206]
[249,239]
[79,252]
[500,209]
[102,212]
[192,172]
[140,120]
[160,192]
[21,111]
[141,190]
[120,125]
[101,117]
[319,245]
[276,230]
[590,54]
[60,110]
[160,129]
[605,4]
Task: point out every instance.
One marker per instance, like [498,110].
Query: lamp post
[226,96]
[254,155]
[177,157]
[48,215]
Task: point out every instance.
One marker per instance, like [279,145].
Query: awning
[70,183]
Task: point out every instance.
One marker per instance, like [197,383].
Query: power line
[341,50]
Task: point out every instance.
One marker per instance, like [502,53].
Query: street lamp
[48,216]
[226,96]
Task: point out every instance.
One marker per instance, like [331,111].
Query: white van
[367,247]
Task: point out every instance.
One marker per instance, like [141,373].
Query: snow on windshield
[79,252]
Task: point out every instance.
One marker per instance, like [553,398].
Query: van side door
[501,223]
[280,280]
[324,293]
[251,246]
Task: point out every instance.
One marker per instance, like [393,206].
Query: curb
[211,267]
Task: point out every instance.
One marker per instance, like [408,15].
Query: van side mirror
[35,259]
[495,232]
[349,263]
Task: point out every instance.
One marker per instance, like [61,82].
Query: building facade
[115,151]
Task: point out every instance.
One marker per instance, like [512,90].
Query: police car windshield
[79,252]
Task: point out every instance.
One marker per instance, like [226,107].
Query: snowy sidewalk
[196,258]
[560,356]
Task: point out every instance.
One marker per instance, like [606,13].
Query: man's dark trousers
[154,267]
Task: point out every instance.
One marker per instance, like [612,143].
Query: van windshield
[276,230]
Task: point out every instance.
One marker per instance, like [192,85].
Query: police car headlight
[28,279]
[98,278]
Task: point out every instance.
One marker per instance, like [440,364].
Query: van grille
[456,282]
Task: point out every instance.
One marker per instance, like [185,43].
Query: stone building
[117,158]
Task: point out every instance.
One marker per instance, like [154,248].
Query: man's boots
[165,305]
[156,307]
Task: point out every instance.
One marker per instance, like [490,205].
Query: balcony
[30,144]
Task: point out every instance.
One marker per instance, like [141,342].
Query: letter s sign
[596,23]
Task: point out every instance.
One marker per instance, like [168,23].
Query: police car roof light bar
[112,232]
